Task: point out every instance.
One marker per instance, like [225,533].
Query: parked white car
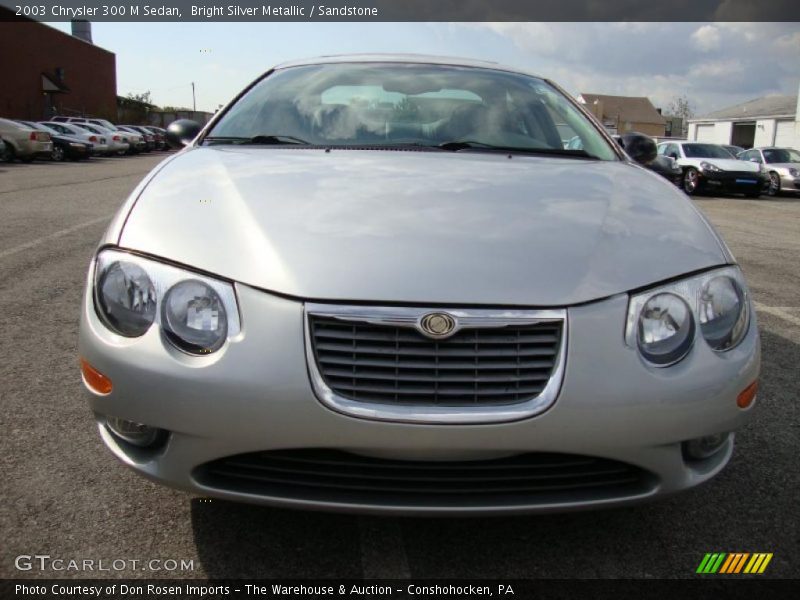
[99,142]
[782,166]
[116,143]
[23,142]
[711,168]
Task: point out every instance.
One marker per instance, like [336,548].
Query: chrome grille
[385,360]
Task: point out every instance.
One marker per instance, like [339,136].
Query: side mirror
[639,147]
[181,132]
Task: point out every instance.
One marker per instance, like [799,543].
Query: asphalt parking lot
[63,494]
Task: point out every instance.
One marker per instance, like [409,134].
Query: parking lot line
[52,236]
[778,311]
[383,555]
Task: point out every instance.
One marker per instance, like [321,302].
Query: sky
[715,65]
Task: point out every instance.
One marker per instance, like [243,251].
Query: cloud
[706,38]
[715,65]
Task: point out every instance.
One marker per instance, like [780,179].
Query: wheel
[691,181]
[8,154]
[57,153]
[774,184]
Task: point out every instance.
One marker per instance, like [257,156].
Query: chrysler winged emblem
[437,325]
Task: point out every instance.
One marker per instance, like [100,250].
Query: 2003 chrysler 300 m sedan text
[382,283]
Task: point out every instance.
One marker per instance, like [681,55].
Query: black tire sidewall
[774,191]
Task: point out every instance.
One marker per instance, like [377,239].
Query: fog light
[134,433]
[704,447]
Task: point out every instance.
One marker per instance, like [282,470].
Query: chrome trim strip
[440,415]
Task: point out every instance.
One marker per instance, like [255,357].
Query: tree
[681,106]
[143,97]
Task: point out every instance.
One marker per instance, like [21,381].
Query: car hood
[729,164]
[420,227]
[787,165]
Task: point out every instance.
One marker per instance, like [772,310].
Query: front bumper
[254,395]
[789,183]
[733,182]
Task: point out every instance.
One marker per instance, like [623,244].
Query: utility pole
[194,102]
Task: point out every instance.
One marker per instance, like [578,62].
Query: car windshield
[781,155]
[398,104]
[705,151]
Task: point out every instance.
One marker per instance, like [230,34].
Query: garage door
[705,133]
[784,134]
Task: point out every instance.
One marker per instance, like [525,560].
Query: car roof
[424,59]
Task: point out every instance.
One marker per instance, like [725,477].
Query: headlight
[665,330]
[194,317]
[723,314]
[661,321]
[705,166]
[197,313]
[126,298]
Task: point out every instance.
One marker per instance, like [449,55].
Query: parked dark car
[149,136]
[663,165]
[64,146]
[161,136]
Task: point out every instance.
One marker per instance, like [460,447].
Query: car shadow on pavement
[246,541]
[749,507]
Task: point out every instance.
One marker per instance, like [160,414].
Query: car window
[781,155]
[705,151]
[375,104]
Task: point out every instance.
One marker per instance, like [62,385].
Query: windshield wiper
[455,146]
[266,140]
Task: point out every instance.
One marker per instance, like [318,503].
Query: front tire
[774,184]
[691,181]
[57,154]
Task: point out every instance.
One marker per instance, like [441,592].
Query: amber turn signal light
[96,381]
[747,395]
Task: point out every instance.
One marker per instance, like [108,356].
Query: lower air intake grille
[334,476]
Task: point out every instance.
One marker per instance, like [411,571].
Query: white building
[768,121]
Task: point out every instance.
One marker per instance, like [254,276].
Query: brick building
[45,72]
[621,114]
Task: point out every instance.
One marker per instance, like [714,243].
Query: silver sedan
[382,284]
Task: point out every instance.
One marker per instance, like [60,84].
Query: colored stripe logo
[734,563]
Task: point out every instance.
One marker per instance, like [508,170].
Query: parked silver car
[782,165]
[382,284]
[116,142]
[24,143]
